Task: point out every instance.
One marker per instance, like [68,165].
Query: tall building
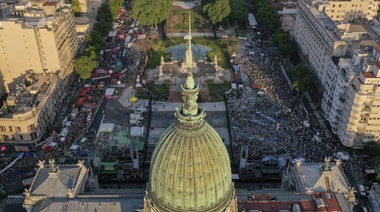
[336,52]
[38,36]
[38,43]
[190,168]
[359,117]
[348,10]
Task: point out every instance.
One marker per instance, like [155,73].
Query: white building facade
[343,59]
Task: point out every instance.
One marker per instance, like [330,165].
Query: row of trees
[151,13]
[95,41]
[302,79]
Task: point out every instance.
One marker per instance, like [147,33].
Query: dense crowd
[269,117]
[115,58]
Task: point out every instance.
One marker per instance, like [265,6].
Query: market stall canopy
[48,149]
[74,147]
[67,154]
[62,160]
[133,99]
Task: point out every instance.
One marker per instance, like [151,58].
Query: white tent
[110,91]
[65,131]
[83,140]
[74,147]
[106,127]
[53,144]
[137,131]
[252,20]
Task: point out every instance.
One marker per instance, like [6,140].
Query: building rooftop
[313,203]
[55,185]
[370,74]
[312,177]
[27,94]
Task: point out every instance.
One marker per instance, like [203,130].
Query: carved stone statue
[162,60]
[338,162]
[215,61]
[327,164]
[41,164]
[351,195]
[53,167]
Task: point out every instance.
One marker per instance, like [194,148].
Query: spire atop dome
[190,91]
[190,80]
[190,53]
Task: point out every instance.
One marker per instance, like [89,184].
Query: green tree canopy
[84,65]
[302,79]
[373,149]
[268,17]
[76,7]
[217,10]
[239,11]
[285,46]
[149,13]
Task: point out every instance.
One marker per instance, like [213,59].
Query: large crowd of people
[116,57]
[267,116]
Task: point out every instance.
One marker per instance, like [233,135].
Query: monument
[175,71]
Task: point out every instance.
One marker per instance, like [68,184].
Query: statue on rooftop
[53,167]
[327,164]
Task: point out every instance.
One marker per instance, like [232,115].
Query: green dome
[190,168]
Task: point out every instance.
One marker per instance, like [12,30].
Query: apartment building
[337,52]
[38,36]
[359,119]
[38,42]
[314,34]
[348,10]
[30,109]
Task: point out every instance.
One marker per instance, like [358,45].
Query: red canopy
[255,86]
[80,101]
[48,149]
[83,92]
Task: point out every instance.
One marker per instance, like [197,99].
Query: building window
[19,129]
[21,137]
[10,129]
[2,128]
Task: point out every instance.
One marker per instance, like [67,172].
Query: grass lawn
[179,20]
[159,48]
[240,32]
[141,94]
[159,92]
[217,91]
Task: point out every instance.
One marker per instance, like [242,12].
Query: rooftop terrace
[27,95]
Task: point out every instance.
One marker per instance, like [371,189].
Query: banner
[11,164]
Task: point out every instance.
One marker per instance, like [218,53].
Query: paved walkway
[193,34]
[186,4]
[170,106]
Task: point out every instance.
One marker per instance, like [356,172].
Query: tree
[268,17]
[217,10]
[239,11]
[149,13]
[76,7]
[302,79]
[84,66]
